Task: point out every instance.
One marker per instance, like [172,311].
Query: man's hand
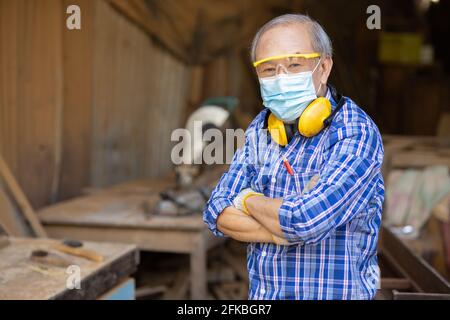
[280,241]
[239,200]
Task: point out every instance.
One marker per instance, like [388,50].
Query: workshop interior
[92,93]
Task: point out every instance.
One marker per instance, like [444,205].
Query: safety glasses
[290,63]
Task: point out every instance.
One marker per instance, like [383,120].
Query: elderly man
[305,191]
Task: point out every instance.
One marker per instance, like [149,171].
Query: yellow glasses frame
[295,55]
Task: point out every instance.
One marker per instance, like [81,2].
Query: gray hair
[321,43]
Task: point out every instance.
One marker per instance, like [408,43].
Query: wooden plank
[18,272]
[20,198]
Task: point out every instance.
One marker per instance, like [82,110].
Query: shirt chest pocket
[273,180]
[310,160]
[283,184]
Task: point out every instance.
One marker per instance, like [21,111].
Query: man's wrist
[246,197]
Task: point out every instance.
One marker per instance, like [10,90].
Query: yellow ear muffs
[311,122]
[277,130]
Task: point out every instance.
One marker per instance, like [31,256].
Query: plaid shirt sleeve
[237,178]
[353,156]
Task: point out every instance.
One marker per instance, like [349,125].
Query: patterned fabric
[333,227]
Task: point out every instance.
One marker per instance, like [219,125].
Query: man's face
[292,39]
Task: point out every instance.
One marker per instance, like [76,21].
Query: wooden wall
[139,96]
[86,107]
[31,92]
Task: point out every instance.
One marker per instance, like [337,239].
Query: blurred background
[84,111]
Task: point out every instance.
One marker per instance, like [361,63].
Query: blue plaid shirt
[332,228]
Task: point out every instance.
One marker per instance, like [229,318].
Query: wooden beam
[137,13]
[9,219]
[395,283]
[21,199]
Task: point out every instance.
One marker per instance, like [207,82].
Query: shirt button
[274,180]
[264,253]
[262,291]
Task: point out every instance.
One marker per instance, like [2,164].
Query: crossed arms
[348,181]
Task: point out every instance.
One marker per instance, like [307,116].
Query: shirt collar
[330,97]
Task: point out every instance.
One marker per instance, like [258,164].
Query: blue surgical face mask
[288,95]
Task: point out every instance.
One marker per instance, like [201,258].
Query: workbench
[121,214]
[24,279]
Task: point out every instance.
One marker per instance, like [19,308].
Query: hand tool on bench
[73,247]
[48,258]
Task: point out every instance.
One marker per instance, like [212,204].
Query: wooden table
[23,279]
[119,214]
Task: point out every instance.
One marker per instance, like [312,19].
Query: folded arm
[220,215]
[239,226]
